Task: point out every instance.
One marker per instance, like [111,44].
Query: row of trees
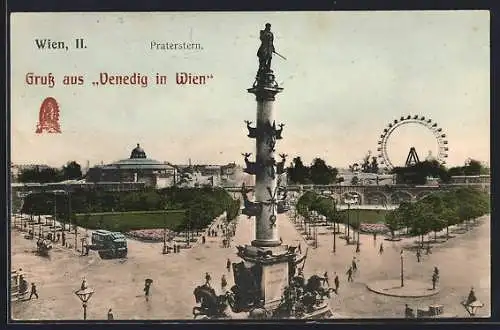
[310,201]
[418,173]
[318,173]
[438,211]
[201,205]
[71,170]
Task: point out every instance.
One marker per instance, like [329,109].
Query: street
[118,284]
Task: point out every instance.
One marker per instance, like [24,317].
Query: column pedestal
[272,267]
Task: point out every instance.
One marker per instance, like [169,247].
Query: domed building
[137,168]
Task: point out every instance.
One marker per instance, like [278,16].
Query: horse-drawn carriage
[18,285]
[43,246]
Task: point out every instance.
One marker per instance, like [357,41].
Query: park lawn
[133,220]
[368,216]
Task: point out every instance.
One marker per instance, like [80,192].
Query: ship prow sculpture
[268,282]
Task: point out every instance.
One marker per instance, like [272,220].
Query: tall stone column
[266,192]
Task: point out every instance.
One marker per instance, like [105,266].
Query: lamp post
[335,231]
[164,233]
[54,219]
[84,294]
[316,235]
[349,202]
[359,226]
[402,270]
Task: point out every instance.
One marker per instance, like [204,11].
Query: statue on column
[266,49]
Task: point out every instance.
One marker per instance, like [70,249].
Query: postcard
[249,165]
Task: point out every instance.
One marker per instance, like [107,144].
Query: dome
[137,152]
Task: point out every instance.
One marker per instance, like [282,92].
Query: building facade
[136,168]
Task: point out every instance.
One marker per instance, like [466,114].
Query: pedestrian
[381,250]
[471,298]
[374,236]
[325,276]
[300,248]
[349,275]
[84,284]
[428,250]
[434,281]
[418,255]
[203,239]
[354,265]
[110,315]
[147,286]
[33,291]
[223,283]
[208,278]
[228,265]
[337,283]
[435,277]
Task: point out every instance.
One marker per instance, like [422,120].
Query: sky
[345,77]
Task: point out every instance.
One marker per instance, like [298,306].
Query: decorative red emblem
[48,118]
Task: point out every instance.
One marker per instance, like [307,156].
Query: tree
[449,216]
[354,180]
[40,175]
[321,173]
[472,167]
[392,222]
[354,167]
[72,170]
[436,222]
[420,220]
[369,163]
[297,172]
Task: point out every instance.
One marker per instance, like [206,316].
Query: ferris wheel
[412,119]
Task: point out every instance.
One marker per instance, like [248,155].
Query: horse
[211,304]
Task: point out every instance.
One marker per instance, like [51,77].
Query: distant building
[136,168]
[467,179]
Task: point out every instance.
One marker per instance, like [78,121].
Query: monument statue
[266,49]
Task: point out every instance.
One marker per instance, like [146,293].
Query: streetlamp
[316,235]
[84,295]
[164,233]
[359,227]
[349,202]
[402,277]
[335,230]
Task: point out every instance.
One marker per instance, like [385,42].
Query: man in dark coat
[337,283]
[33,291]
[349,275]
